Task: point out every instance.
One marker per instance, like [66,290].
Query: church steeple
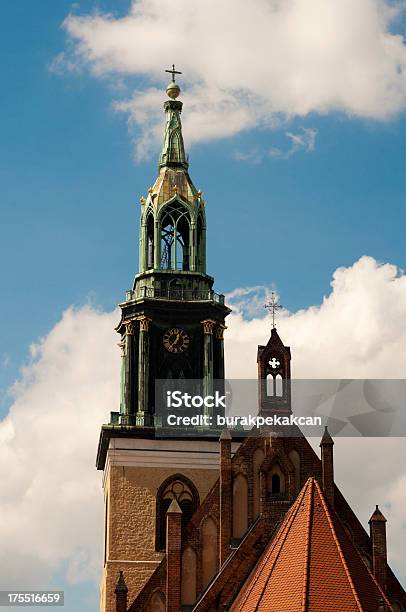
[173,220]
[172,321]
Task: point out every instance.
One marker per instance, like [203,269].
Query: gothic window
[276,481]
[274,379]
[175,232]
[183,490]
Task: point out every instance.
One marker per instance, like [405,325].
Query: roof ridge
[280,538]
[340,552]
[307,550]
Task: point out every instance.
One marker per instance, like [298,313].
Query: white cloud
[248,63]
[304,140]
[51,502]
[51,492]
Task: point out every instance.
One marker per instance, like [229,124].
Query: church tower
[171,327]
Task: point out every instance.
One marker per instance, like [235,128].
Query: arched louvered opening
[175,237]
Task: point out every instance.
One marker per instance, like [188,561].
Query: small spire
[326,439]
[121,586]
[377,515]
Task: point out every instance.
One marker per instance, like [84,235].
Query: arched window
[276,481]
[279,385]
[183,490]
[175,233]
[275,386]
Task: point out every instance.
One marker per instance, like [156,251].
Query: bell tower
[171,327]
[172,321]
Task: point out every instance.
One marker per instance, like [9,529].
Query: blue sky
[70,191]
[70,188]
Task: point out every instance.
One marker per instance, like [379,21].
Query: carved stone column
[220,329]
[208,326]
[143,417]
[128,356]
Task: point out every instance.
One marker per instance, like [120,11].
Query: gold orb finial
[173,90]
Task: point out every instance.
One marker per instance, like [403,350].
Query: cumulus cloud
[51,502]
[248,63]
[51,505]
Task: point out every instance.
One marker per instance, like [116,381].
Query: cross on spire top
[173,72]
[273,306]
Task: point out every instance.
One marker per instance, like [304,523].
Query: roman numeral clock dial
[176,340]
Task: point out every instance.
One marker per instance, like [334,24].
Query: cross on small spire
[273,306]
[173,72]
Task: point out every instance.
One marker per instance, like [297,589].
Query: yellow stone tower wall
[132,478]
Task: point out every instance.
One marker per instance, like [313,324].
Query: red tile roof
[311,565]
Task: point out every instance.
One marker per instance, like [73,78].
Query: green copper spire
[173,150]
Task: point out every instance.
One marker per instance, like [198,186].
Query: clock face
[176,340]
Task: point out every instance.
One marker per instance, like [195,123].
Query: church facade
[214,523]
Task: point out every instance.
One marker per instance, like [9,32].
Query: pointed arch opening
[240,506]
[276,481]
[156,602]
[184,491]
[150,241]
[189,577]
[209,548]
[175,237]
[200,244]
